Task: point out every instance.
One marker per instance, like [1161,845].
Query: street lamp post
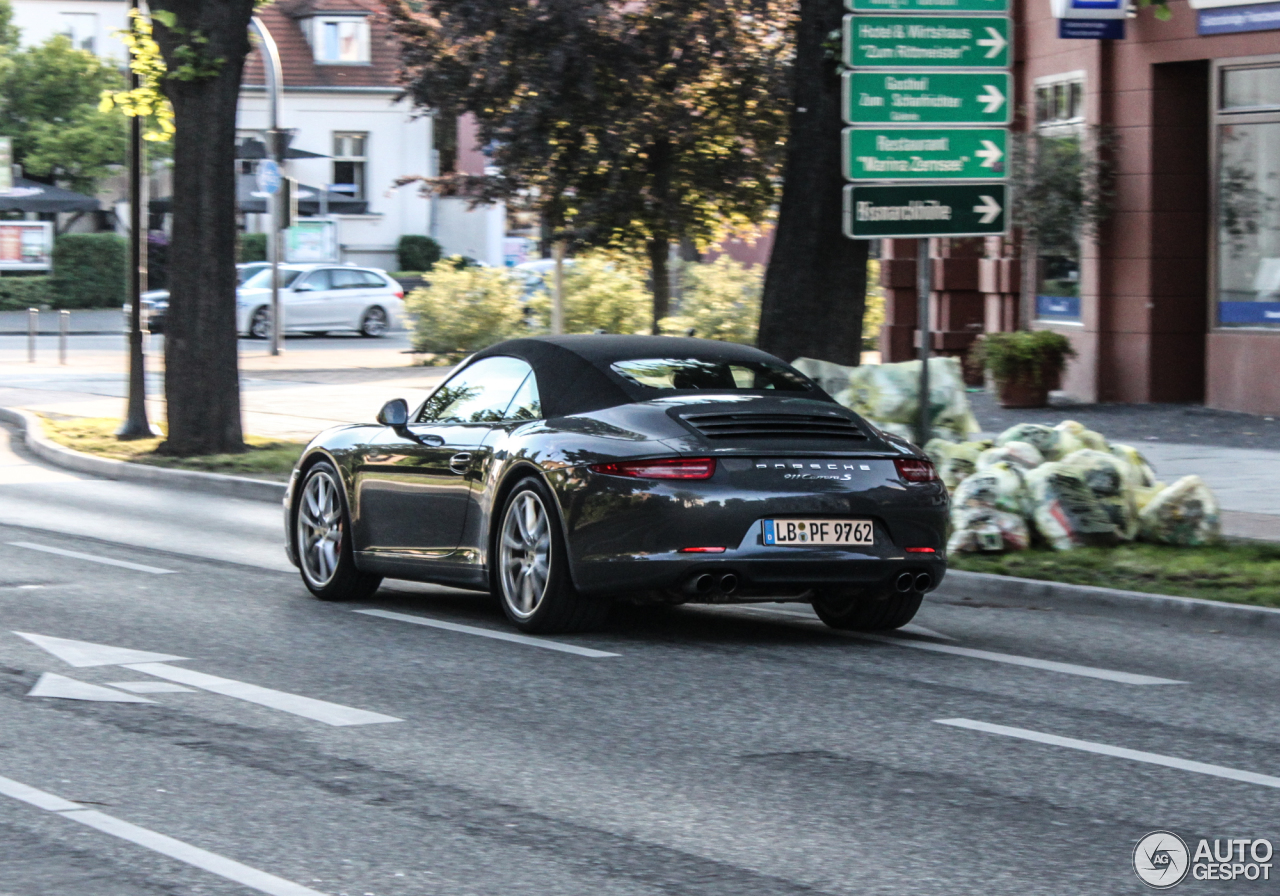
[136,425]
[275,150]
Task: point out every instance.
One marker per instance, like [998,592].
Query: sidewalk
[85,320]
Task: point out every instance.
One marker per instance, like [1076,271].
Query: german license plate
[821,532]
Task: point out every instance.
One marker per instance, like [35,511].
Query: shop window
[80,28]
[1059,100]
[1247,194]
[349,163]
[1059,116]
[338,41]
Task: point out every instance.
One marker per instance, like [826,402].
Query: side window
[479,394]
[526,405]
[319,279]
[370,279]
[345,278]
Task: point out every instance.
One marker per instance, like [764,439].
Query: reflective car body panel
[424,500]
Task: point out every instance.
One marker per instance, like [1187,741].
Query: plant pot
[1024,392]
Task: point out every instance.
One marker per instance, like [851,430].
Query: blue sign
[1091,29]
[1232,19]
[269,176]
[1058,307]
[1249,313]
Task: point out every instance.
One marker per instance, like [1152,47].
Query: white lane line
[84,654]
[319,710]
[990,656]
[92,558]
[148,839]
[150,687]
[910,628]
[489,633]
[1186,765]
[50,684]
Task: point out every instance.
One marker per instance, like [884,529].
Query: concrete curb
[190,480]
[1090,600]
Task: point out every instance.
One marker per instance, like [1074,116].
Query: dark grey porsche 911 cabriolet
[563,473]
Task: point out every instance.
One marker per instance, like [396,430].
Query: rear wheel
[531,575]
[877,611]
[322,527]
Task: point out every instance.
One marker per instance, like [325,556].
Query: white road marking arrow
[82,654]
[990,154]
[996,42]
[988,210]
[53,685]
[991,97]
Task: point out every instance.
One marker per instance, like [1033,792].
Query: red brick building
[1178,296]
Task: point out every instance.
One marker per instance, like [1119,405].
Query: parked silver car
[319,298]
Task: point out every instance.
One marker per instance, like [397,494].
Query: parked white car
[318,298]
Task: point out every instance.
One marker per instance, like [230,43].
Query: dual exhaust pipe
[725,583]
[912,581]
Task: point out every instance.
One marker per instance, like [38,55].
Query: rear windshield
[262,279]
[695,373]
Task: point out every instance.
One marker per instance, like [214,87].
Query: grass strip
[271,459]
[1233,572]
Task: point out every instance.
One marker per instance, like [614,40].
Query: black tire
[874,612]
[517,556]
[260,323]
[374,324]
[322,532]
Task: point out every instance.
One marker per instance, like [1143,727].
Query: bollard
[33,325]
[64,329]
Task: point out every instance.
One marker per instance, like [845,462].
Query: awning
[251,150]
[29,196]
[252,201]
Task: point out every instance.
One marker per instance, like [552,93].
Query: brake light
[399,293]
[911,469]
[663,468]
[922,550]
[701,550]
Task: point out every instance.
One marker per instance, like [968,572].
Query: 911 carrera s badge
[838,471]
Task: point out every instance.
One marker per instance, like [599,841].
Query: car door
[305,302]
[349,298]
[413,486]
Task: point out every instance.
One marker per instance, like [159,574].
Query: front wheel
[867,612]
[322,527]
[531,576]
[374,323]
[260,323]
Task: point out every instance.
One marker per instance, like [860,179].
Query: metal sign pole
[924,285]
[275,85]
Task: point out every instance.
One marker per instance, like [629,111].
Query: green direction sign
[922,210]
[924,153]
[926,97]
[936,42]
[933,6]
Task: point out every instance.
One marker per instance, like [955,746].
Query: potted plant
[1025,364]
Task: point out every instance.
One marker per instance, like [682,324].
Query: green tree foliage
[415,252]
[873,314]
[51,95]
[625,124]
[147,100]
[464,309]
[1063,187]
[719,300]
[602,291]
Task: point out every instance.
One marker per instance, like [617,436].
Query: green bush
[602,291]
[1030,356]
[415,252]
[89,270]
[465,309]
[253,247]
[21,293]
[720,300]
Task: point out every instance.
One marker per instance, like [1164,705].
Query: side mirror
[303,287]
[395,413]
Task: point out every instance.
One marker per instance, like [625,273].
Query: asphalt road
[301,747]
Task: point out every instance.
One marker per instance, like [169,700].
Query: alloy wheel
[374,323]
[320,528]
[260,326]
[524,554]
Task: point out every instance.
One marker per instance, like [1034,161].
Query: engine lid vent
[746,425]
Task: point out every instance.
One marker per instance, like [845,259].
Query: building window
[341,41]
[349,163]
[1059,116]
[80,28]
[1247,196]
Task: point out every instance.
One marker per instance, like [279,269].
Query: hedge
[415,252]
[89,270]
[21,293]
[253,247]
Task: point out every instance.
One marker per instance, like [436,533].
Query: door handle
[459,462]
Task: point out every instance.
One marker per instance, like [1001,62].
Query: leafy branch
[146,100]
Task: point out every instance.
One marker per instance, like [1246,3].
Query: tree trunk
[659,251]
[202,383]
[815,288]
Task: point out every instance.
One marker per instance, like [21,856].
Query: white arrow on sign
[991,97]
[988,210]
[990,154]
[996,42]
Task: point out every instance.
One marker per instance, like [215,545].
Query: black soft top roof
[574,376]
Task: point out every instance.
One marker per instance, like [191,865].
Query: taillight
[664,468]
[399,293]
[912,469]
